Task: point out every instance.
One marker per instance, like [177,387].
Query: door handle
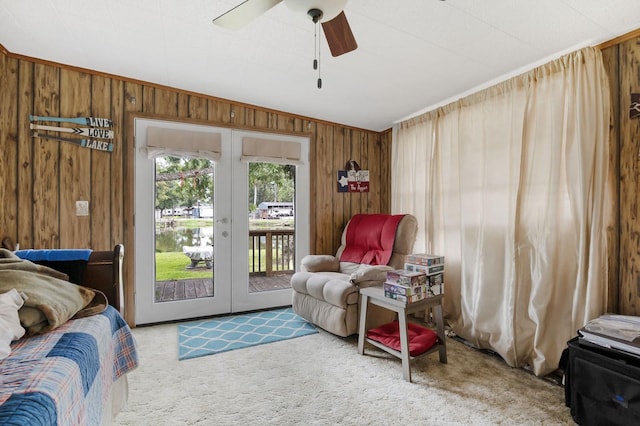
[223,220]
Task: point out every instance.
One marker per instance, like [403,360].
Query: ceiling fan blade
[244,13]
[339,36]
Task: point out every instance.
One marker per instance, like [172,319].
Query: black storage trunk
[602,386]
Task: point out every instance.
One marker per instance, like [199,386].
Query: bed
[76,372]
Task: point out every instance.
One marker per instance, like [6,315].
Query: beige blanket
[51,300]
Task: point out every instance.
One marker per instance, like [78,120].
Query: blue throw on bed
[54,255]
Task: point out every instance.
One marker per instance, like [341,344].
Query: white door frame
[147,310]
[231,230]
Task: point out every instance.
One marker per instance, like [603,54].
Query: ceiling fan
[329,13]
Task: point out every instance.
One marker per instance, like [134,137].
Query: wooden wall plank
[8,148]
[119,98]
[355,199]
[611,62]
[324,207]
[311,128]
[285,123]
[133,99]
[165,102]
[250,117]
[346,155]
[25,156]
[219,112]
[75,162]
[364,164]
[126,153]
[629,180]
[385,172]
[125,97]
[260,119]
[197,108]
[183,105]
[46,193]
[374,161]
[238,115]
[101,189]
[272,120]
[339,198]
[149,99]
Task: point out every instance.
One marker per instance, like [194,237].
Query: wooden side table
[375,296]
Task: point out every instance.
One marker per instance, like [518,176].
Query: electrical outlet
[82,208]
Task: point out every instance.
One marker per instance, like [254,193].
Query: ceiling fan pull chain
[318,44]
[315,48]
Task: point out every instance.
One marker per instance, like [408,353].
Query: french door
[262,250]
[194,249]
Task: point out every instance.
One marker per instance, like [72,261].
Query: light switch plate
[82,208]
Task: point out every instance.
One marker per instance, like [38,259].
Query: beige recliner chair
[326,290]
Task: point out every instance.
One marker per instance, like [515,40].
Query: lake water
[173,239]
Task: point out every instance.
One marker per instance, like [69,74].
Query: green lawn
[172,266]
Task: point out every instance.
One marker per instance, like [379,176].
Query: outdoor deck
[166,291]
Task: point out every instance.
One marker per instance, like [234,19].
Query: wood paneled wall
[622,61]
[41,180]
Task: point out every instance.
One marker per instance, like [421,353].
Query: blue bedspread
[64,377]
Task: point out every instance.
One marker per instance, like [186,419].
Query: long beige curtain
[509,185]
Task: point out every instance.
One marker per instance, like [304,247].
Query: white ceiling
[412,54]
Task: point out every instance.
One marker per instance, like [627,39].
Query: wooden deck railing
[271,250]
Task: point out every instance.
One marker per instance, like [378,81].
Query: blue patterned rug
[207,337]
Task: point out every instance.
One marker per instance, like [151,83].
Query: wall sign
[634,108]
[353,179]
[94,133]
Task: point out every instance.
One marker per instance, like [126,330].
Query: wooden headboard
[104,273]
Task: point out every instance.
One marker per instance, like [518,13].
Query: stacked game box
[432,266]
[425,259]
[405,286]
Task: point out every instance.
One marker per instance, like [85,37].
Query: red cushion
[370,238]
[421,339]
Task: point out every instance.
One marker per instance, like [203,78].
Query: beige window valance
[183,143]
[271,151]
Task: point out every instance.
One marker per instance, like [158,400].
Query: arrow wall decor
[100,129]
[92,132]
[85,143]
[89,121]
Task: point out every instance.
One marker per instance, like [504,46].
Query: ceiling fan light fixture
[315,15]
[330,8]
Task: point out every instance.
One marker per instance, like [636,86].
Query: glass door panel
[184,263]
[271,226]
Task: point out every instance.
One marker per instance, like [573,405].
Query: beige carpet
[321,380]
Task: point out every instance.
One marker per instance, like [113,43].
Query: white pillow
[375,273]
[10,328]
